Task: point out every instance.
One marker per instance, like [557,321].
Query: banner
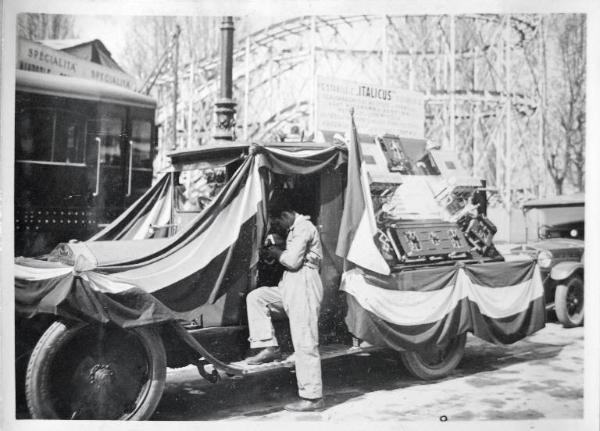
[36,57]
[377,110]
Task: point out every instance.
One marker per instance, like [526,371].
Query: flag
[357,228]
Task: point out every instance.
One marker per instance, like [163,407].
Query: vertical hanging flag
[357,229]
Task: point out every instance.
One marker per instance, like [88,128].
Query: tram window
[69,137]
[141,134]
[109,131]
[110,153]
[34,134]
[50,135]
[111,147]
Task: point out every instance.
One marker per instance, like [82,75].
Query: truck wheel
[435,362]
[568,301]
[95,372]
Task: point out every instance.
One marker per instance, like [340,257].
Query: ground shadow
[344,378]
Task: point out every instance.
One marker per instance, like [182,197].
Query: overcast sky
[111,30]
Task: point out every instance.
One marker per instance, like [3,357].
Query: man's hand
[273,251]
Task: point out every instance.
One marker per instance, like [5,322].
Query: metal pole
[226,57]
[225,106]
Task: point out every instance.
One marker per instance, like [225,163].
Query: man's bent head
[282,213]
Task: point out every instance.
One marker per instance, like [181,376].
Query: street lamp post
[225,105]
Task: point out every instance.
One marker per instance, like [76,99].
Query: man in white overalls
[299,295]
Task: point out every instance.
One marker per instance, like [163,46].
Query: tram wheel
[95,372]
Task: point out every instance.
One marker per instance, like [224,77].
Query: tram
[83,153]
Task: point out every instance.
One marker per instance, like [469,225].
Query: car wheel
[568,301]
[435,362]
[95,372]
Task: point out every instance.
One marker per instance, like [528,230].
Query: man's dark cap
[279,204]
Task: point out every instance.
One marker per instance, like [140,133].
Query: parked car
[559,250]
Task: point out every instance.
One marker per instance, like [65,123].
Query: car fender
[563,270]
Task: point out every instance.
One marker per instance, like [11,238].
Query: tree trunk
[580,175]
[558,185]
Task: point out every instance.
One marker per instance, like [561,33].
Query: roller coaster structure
[481,96]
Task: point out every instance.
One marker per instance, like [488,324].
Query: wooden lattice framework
[480,96]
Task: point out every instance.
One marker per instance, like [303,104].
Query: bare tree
[572,110]
[37,26]
[151,46]
[558,71]
[564,131]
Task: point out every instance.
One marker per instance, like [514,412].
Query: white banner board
[36,57]
[377,110]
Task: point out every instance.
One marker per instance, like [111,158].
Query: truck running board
[208,364]
[327,352]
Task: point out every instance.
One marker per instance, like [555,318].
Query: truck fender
[564,270]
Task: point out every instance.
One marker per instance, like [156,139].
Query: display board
[377,110]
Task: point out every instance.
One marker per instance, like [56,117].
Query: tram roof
[80,88]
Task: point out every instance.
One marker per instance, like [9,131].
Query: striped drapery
[500,302]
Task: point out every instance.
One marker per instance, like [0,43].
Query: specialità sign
[36,57]
[377,110]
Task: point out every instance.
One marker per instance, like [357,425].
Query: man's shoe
[305,405]
[268,354]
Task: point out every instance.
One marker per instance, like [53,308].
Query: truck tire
[435,363]
[95,372]
[568,302]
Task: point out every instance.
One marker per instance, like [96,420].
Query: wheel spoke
[109,386]
[100,373]
[569,302]
[574,302]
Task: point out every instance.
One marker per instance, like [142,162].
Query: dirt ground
[539,377]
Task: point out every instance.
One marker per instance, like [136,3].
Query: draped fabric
[197,274]
[202,273]
[357,228]
[300,162]
[91,297]
[500,302]
[153,207]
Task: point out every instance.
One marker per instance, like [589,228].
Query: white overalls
[299,294]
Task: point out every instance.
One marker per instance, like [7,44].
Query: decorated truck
[409,265]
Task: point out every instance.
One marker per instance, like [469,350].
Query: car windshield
[556,221]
